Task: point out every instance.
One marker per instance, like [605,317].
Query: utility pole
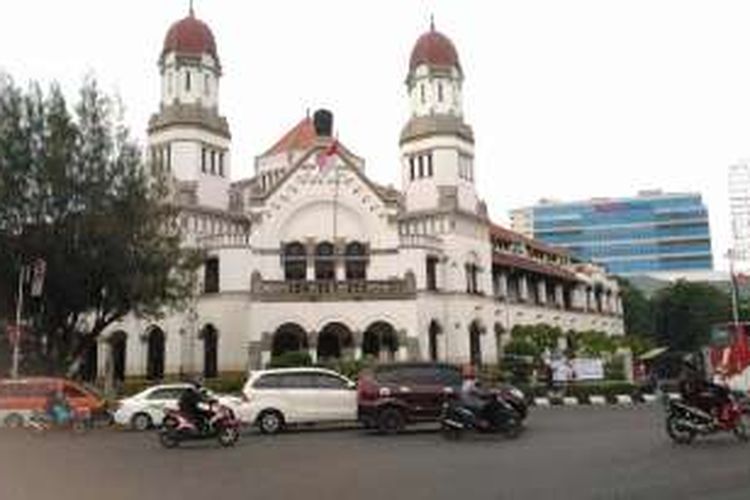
[17,332]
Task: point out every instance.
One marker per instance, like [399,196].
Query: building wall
[651,232]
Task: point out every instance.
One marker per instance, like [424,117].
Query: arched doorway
[289,337]
[90,364]
[118,343]
[433,331]
[333,340]
[210,337]
[155,340]
[475,343]
[380,340]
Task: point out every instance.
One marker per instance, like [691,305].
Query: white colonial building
[310,254]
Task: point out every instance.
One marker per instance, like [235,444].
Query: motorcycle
[222,426]
[498,417]
[685,422]
[79,421]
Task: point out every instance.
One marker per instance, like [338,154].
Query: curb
[624,400]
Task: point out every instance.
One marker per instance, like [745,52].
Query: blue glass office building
[649,233]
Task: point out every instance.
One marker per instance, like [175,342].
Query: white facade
[739,205]
[324,260]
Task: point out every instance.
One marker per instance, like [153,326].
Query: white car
[146,409]
[279,397]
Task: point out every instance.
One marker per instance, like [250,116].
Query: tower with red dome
[187,136]
[437,146]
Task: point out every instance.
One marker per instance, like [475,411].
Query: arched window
[206,85]
[475,344]
[155,354]
[421,92]
[356,261]
[433,332]
[187,81]
[440,92]
[210,351]
[118,343]
[325,265]
[295,262]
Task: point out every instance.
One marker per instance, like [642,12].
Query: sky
[568,100]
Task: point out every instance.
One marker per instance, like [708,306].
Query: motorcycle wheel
[677,432]
[742,429]
[80,425]
[513,428]
[451,433]
[168,439]
[228,436]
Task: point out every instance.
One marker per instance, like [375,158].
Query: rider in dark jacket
[698,392]
[189,405]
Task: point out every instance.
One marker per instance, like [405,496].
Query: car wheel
[141,422]
[13,421]
[271,422]
[391,421]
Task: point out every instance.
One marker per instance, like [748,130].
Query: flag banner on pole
[326,158]
[38,272]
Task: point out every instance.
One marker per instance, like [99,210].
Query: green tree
[638,313]
[684,314]
[75,192]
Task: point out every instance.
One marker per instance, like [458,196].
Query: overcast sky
[568,99]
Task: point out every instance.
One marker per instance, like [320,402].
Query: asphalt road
[566,453]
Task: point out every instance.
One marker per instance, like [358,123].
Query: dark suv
[393,395]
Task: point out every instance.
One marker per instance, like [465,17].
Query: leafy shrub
[291,359]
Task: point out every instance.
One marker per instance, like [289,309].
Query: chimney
[323,121]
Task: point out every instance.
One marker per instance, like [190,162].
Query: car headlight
[516,393]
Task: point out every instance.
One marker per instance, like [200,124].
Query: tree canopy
[75,192]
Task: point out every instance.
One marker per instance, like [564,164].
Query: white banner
[564,370]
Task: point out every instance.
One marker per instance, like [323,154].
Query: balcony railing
[226,240]
[300,291]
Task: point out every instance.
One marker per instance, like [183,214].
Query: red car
[390,396]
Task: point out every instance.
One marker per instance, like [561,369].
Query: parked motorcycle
[79,422]
[222,426]
[498,417]
[685,422]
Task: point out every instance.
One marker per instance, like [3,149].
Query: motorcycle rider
[190,403]
[700,393]
[472,397]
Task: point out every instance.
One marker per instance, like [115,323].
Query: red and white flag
[326,158]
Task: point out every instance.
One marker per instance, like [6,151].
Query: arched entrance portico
[288,337]
[380,341]
[335,341]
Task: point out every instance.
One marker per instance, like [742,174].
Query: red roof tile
[301,136]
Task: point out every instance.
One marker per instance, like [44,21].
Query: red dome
[435,49]
[190,36]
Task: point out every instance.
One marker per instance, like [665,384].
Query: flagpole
[335,197]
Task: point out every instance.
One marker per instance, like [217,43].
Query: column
[541,287]
[504,285]
[523,288]
[590,300]
[559,296]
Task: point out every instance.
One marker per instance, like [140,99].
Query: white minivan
[279,397]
